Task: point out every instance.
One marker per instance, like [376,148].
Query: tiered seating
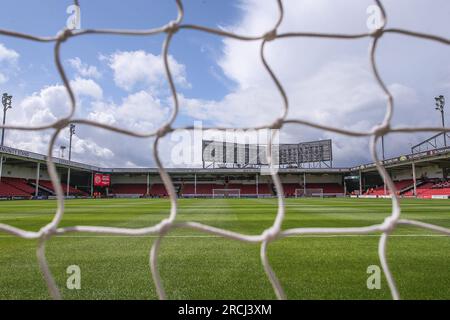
[20,184]
[129,188]
[207,188]
[158,190]
[329,188]
[377,192]
[245,189]
[420,189]
[399,185]
[72,191]
[7,190]
[264,189]
[202,188]
[441,185]
[428,193]
[289,188]
[189,189]
[429,189]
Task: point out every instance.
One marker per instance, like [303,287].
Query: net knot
[172,27]
[271,35]
[64,35]
[278,124]
[270,234]
[389,224]
[377,33]
[47,231]
[382,130]
[165,226]
[163,131]
[61,124]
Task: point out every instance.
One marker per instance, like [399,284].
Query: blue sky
[119,79]
[196,50]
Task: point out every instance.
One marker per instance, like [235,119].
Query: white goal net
[226,193]
[274,232]
[305,193]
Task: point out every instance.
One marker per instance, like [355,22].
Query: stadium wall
[134,179]
[222,178]
[23,172]
[313,178]
[431,172]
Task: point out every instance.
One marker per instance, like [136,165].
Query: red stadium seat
[7,190]
[20,184]
[72,191]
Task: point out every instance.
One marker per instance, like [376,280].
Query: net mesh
[275,231]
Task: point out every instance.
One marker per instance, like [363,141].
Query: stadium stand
[6,190]
[289,189]
[139,189]
[401,186]
[202,188]
[46,184]
[328,188]
[158,190]
[206,189]
[432,188]
[425,189]
[245,189]
[20,184]
[263,189]
[420,189]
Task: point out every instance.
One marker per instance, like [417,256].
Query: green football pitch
[195,265]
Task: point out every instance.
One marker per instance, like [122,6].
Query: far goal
[303,193]
[226,193]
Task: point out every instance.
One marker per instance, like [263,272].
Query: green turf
[197,267]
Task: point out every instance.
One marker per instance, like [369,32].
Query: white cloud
[47,106]
[87,87]
[44,107]
[139,111]
[84,70]
[91,148]
[139,68]
[327,81]
[30,141]
[52,102]
[8,61]
[8,55]
[3,78]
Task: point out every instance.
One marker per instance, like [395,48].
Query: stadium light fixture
[62,148]
[7,104]
[440,103]
[72,132]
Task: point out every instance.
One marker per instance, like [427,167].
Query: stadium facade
[423,174]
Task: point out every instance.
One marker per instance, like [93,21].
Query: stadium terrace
[24,175]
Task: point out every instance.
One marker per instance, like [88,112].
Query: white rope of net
[275,231]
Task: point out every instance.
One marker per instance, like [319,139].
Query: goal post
[309,193]
[226,193]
